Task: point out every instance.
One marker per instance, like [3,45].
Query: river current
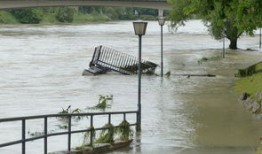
[41,67]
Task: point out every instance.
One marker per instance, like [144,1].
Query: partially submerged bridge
[106,59]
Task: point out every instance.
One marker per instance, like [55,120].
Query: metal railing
[69,132]
[110,59]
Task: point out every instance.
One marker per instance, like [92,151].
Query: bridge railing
[45,135]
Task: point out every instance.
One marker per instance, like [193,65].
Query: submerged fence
[67,132]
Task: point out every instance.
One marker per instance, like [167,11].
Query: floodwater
[41,67]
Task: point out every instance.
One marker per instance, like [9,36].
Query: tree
[249,13]
[65,14]
[28,15]
[224,18]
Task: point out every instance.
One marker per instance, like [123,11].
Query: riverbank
[72,15]
[52,18]
[250,87]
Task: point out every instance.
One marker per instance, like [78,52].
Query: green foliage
[65,14]
[251,84]
[87,135]
[113,13]
[64,119]
[249,14]
[28,15]
[82,14]
[180,12]
[7,18]
[145,11]
[68,110]
[84,18]
[49,16]
[107,135]
[229,18]
[103,102]
[124,131]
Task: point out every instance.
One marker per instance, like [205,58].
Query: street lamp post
[161,21]
[260,38]
[140,29]
[223,55]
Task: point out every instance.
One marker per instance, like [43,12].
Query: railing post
[124,116]
[23,136]
[45,138]
[91,133]
[109,118]
[69,133]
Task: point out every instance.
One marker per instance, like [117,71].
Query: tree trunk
[233,44]
[232,33]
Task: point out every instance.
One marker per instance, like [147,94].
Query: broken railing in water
[107,59]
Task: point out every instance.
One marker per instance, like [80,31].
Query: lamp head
[140,27]
[161,21]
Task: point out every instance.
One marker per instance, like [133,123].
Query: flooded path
[41,72]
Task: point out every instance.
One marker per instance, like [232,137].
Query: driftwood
[200,75]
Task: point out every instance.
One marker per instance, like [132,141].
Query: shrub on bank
[7,18]
[28,15]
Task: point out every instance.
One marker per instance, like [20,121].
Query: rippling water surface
[41,73]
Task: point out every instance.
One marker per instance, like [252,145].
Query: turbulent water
[41,67]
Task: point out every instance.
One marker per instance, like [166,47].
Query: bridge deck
[156,4]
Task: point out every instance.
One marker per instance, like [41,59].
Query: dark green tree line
[68,14]
[28,15]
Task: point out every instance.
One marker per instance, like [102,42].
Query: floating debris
[106,59]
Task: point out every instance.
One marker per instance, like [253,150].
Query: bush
[83,18]
[65,14]
[7,18]
[28,15]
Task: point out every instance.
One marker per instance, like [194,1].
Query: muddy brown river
[41,73]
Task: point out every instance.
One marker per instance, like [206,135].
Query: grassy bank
[251,84]
[250,80]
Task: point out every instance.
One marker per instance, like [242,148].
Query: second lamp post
[161,21]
